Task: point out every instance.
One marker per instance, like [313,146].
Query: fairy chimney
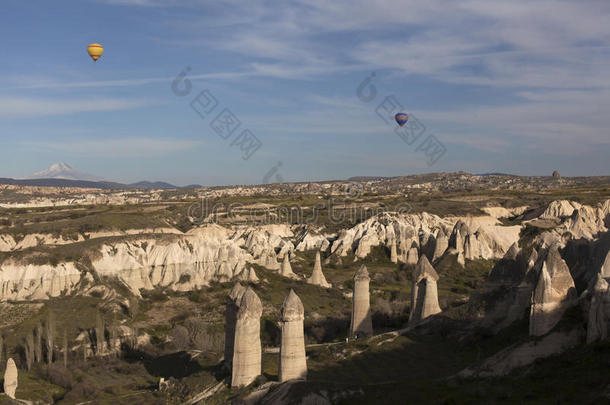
[554,293]
[231,309]
[424,295]
[286,268]
[317,277]
[10,378]
[361,306]
[293,365]
[247,354]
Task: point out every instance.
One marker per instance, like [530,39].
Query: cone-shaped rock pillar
[424,295]
[393,253]
[361,305]
[247,354]
[317,277]
[10,378]
[232,306]
[293,365]
[412,255]
[554,293]
[441,244]
[286,268]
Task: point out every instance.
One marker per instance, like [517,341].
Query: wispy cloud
[127,147]
[28,107]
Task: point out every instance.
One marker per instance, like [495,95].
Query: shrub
[59,375]
[180,337]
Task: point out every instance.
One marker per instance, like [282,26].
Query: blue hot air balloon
[401,118]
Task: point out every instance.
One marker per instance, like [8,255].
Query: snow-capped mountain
[63,171]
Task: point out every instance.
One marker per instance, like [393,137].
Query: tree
[29,349]
[38,348]
[50,336]
[99,332]
[65,345]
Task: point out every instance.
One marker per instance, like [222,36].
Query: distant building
[556,175]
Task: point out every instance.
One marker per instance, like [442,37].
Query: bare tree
[135,338]
[99,332]
[50,336]
[113,336]
[38,343]
[65,345]
[29,349]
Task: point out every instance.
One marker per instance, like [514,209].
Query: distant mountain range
[63,175]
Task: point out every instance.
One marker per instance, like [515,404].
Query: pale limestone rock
[361,323]
[246,274]
[269,260]
[11,377]
[554,293]
[30,282]
[585,223]
[424,295]
[393,254]
[247,353]
[441,244]
[293,365]
[412,256]
[471,247]
[501,212]
[310,239]
[385,227]
[317,277]
[489,241]
[224,273]
[458,234]
[286,269]
[231,309]
[560,209]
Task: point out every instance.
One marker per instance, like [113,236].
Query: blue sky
[505,86]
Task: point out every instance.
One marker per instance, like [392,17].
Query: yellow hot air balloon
[95,51]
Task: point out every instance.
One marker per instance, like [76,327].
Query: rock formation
[292,364]
[412,256]
[247,354]
[508,272]
[248,275]
[424,295]
[508,289]
[554,293]
[361,323]
[10,378]
[286,269]
[441,244]
[231,309]
[560,209]
[317,277]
